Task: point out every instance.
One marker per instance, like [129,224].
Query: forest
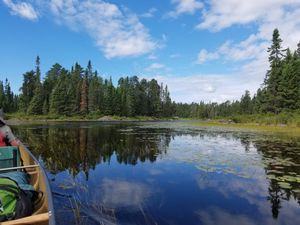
[83,92]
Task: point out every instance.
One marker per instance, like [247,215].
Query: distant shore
[11,120]
[225,123]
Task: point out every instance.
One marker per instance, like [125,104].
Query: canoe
[43,212]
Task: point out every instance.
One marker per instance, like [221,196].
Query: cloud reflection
[119,193]
[217,216]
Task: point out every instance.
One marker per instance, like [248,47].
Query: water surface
[167,173]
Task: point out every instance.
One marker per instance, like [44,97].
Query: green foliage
[8,101]
[84,94]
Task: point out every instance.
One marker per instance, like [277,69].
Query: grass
[281,119]
[271,127]
[91,117]
[283,122]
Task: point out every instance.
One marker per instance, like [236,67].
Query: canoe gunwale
[48,188]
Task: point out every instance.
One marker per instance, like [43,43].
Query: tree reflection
[81,149]
[281,159]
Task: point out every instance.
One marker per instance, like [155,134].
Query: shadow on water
[144,174]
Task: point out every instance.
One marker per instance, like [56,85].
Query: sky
[208,50]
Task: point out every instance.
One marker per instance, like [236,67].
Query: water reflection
[121,193]
[161,174]
[82,148]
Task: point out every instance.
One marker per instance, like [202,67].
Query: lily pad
[284,185]
[289,178]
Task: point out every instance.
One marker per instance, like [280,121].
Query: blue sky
[203,50]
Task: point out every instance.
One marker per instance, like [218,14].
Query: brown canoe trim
[28,220]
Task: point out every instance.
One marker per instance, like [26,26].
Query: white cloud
[155,66]
[152,56]
[175,55]
[223,14]
[251,52]
[211,87]
[204,56]
[149,14]
[185,7]
[22,9]
[250,49]
[116,34]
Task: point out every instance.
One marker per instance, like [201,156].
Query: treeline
[82,91]
[8,100]
[280,91]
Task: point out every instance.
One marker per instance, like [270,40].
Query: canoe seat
[9,157]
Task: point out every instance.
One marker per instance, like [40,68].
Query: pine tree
[2,96]
[154,98]
[95,96]
[298,49]
[245,104]
[27,90]
[143,98]
[36,103]
[84,95]
[60,96]
[167,103]
[273,78]
[51,79]
[108,97]
[9,98]
[76,84]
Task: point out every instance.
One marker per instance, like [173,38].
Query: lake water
[167,173]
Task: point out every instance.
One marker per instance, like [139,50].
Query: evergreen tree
[84,95]
[36,104]
[76,85]
[2,96]
[298,49]
[245,104]
[167,110]
[51,79]
[272,83]
[27,90]
[108,97]
[60,96]
[143,101]
[95,97]
[154,98]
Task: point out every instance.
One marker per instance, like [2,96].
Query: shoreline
[272,128]
[284,128]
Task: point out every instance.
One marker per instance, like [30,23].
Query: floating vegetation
[284,185]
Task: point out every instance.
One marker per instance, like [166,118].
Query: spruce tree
[51,79]
[245,104]
[2,96]
[154,98]
[27,90]
[76,84]
[108,97]
[298,49]
[84,95]
[60,96]
[273,78]
[36,104]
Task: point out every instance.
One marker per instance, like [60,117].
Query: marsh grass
[283,129]
[82,209]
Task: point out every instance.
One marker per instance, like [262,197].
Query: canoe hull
[43,213]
